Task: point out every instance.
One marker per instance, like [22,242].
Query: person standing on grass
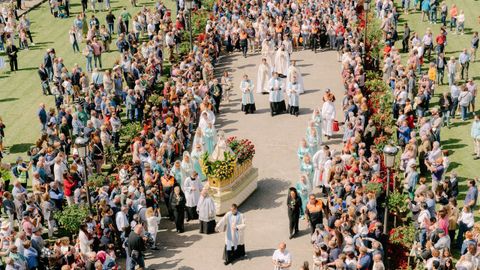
[452,67]
[453,17]
[464,59]
[473,50]
[475,133]
[464,100]
[88,53]
[110,18]
[12,52]
[97,52]
[472,88]
[125,15]
[75,39]
[43,74]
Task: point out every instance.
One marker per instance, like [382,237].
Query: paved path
[276,140]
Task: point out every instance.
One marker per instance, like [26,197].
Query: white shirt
[282,258]
[121,221]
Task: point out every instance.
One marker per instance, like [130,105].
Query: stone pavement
[276,140]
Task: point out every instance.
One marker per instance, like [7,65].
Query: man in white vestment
[293,90]
[293,71]
[263,77]
[268,51]
[276,90]
[192,187]
[233,224]
[206,212]
[248,103]
[282,61]
[328,116]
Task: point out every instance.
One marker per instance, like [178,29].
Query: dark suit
[216,93]
[12,51]
[42,73]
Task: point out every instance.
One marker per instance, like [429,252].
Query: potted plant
[71,218]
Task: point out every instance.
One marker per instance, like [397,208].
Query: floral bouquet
[220,169]
[243,149]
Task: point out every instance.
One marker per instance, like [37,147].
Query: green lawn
[20,92]
[457,139]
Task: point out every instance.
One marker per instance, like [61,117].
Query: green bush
[131,130]
[72,217]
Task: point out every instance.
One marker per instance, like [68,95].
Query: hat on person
[36,229]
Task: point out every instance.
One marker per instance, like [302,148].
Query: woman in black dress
[177,203]
[294,204]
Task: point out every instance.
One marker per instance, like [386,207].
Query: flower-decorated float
[231,176]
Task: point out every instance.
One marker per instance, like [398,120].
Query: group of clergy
[278,77]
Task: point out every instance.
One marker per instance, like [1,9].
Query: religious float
[231,176]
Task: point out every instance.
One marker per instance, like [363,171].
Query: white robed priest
[192,187]
[293,89]
[276,91]
[319,159]
[263,76]
[328,116]
[248,103]
[206,212]
[233,224]
[282,61]
[293,71]
[268,50]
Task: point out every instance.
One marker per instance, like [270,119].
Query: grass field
[20,92]
[456,139]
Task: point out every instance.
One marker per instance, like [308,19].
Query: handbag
[335,126]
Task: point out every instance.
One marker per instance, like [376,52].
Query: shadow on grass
[454,146]
[20,148]
[8,99]
[458,124]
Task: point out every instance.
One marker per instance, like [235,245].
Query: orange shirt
[315,208]
[453,12]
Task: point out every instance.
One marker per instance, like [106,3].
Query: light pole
[389,154]
[189,7]
[366,7]
[81,144]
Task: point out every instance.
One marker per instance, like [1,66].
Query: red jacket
[69,185]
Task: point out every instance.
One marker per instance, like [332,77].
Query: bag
[135,254]
[86,52]
[335,126]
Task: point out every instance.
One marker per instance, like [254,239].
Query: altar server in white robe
[192,188]
[206,212]
[282,61]
[287,43]
[248,103]
[277,101]
[319,160]
[327,167]
[263,76]
[293,71]
[268,51]
[328,116]
[293,89]
[233,224]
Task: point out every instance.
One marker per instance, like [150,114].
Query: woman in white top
[85,240]
[152,224]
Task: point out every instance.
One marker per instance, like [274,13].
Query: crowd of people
[345,221]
